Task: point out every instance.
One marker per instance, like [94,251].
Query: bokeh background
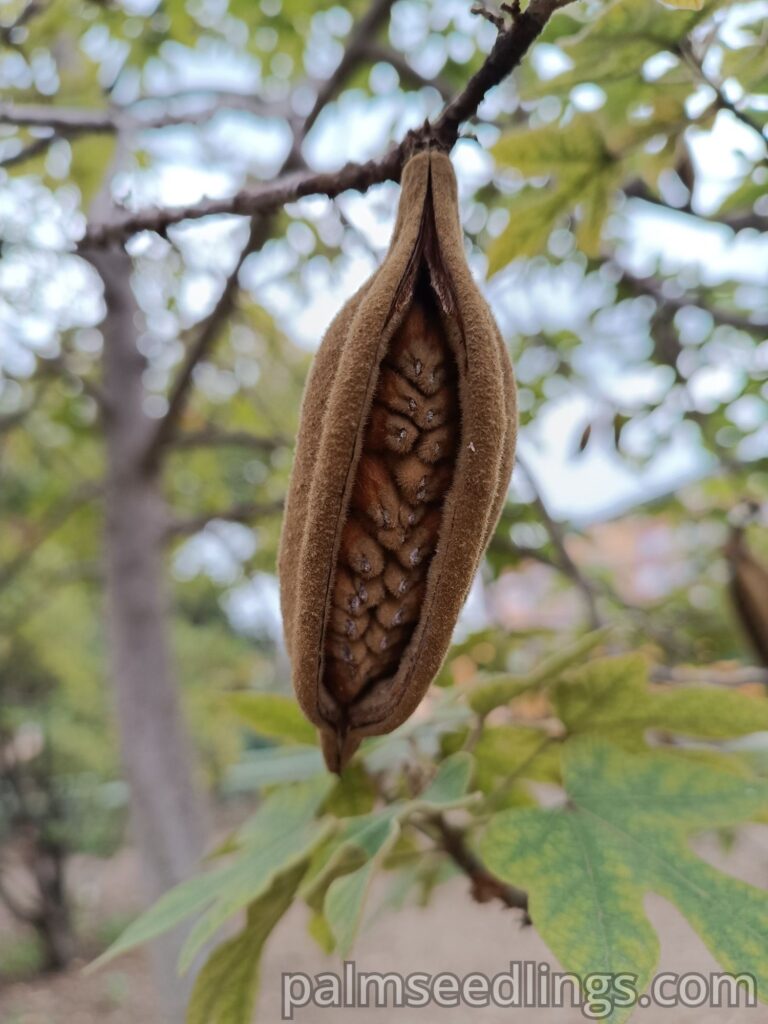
[614,194]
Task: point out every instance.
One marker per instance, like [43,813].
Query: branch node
[495,19]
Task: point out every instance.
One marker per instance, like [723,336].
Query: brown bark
[53,920]
[167,813]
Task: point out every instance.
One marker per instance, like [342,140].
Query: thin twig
[57,517]
[259,233]
[685,50]
[742,675]
[510,47]
[735,221]
[566,563]
[28,152]
[653,287]
[485,886]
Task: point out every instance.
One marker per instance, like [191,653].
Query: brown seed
[421,543]
[375,493]
[415,350]
[383,641]
[399,580]
[354,594]
[400,396]
[347,625]
[417,354]
[360,551]
[351,652]
[346,680]
[392,539]
[390,432]
[400,611]
[421,482]
[437,444]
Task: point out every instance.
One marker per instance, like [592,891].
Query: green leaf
[567,152]
[175,906]
[507,751]
[594,205]
[345,899]
[340,884]
[616,44]
[625,832]
[499,690]
[746,195]
[279,765]
[612,697]
[533,215]
[226,988]
[450,783]
[353,794]
[273,715]
[91,157]
[282,833]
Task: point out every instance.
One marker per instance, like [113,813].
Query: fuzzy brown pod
[749,589]
[403,461]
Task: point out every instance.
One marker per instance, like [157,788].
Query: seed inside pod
[360,551]
[415,350]
[403,475]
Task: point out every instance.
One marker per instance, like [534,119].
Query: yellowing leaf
[612,696]
[565,152]
[532,218]
[625,833]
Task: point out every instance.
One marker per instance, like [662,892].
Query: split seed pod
[403,461]
[749,590]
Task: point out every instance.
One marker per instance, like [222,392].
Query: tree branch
[207,334]
[28,152]
[566,563]
[20,912]
[686,51]
[736,222]
[365,30]
[652,287]
[58,516]
[380,52]
[260,231]
[510,47]
[63,119]
[70,121]
[742,675]
[485,886]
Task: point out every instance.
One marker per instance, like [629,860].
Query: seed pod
[403,461]
[749,589]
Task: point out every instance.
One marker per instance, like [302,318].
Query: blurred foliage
[600,139]
[583,726]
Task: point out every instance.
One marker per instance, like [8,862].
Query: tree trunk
[167,812]
[53,921]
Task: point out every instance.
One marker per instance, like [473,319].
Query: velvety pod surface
[403,461]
